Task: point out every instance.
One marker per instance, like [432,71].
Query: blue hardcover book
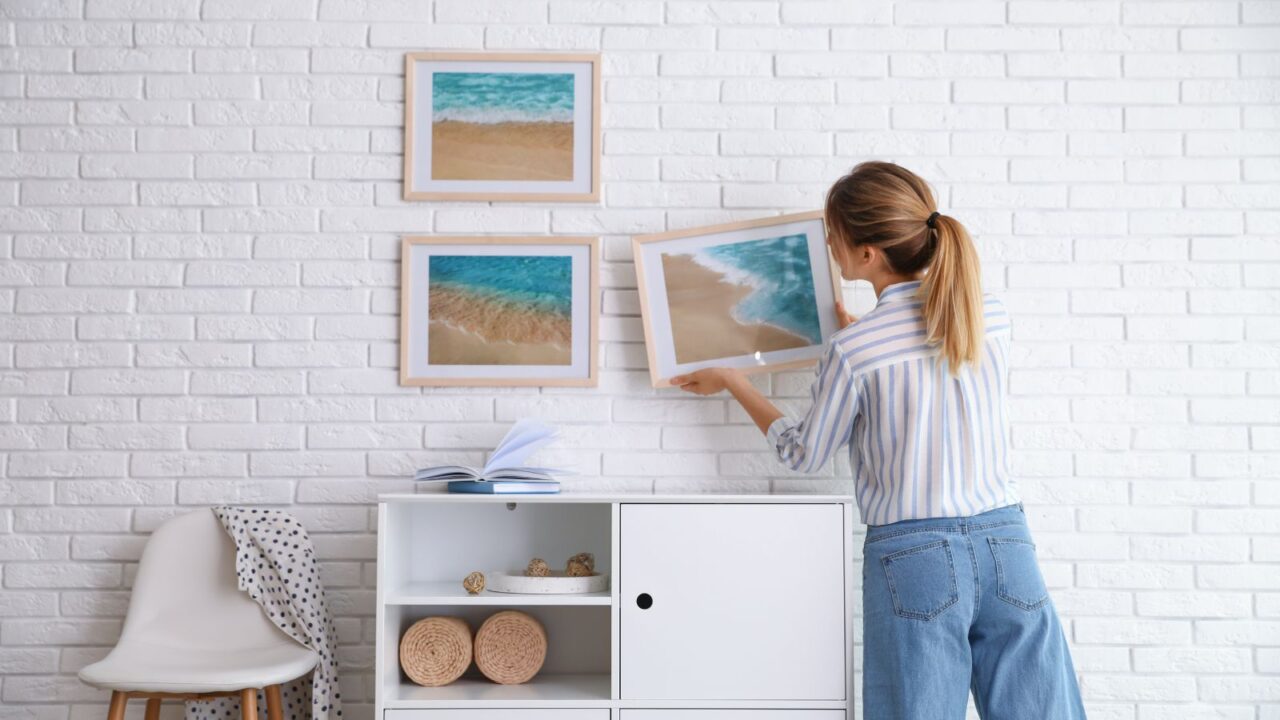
[502,487]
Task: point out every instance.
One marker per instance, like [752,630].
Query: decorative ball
[473,583]
[537,568]
[581,565]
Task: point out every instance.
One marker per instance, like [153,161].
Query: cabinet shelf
[452,593]
[545,690]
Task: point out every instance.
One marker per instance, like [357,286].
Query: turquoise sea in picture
[781,280]
[473,97]
[500,309]
[540,282]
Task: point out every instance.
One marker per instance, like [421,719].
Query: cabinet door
[744,601]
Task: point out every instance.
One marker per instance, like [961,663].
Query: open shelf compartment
[427,548]
[575,674]
[431,547]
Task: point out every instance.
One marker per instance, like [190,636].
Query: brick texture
[199,233]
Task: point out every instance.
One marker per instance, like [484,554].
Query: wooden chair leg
[249,704]
[118,701]
[275,706]
[153,709]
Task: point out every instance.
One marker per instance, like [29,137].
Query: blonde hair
[892,208]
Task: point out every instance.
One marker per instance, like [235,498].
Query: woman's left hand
[707,381]
[844,316]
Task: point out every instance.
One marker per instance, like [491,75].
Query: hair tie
[932,222]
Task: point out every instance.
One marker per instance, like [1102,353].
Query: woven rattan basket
[511,647]
[436,651]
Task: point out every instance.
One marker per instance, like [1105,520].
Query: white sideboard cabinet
[720,607]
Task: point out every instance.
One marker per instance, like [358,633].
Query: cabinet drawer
[732,715]
[498,714]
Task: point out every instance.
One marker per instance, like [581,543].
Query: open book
[506,464]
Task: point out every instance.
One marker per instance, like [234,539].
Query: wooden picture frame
[696,266]
[513,303]
[475,146]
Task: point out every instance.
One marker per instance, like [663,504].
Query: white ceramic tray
[557,583]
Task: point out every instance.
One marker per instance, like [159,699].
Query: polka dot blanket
[276,565]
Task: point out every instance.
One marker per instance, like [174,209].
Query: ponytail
[952,291]
[890,207]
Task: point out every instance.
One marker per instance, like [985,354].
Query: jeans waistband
[1007,515]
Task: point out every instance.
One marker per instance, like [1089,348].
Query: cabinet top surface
[620,497]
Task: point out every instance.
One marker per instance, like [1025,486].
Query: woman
[953,599]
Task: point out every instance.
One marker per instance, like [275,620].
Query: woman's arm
[808,444]
[805,445]
[710,381]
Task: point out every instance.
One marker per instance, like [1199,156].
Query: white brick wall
[199,221]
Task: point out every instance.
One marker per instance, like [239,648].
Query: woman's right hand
[843,316]
[707,381]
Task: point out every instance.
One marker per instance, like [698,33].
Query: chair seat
[147,667]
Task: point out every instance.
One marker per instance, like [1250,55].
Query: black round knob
[645,601]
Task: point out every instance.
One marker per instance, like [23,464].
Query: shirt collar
[898,292]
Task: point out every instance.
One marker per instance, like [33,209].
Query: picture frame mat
[476,190]
[586,313]
[657,329]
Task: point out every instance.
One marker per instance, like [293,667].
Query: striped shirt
[923,443]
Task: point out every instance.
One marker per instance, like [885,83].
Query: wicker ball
[581,565]
[537,568]
[511,647]
[436,651]
[473,583]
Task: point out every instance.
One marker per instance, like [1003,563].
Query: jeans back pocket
[922,580]
[1018,578]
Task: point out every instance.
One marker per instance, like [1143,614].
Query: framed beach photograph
[499,310]
[502,126]
[757,295]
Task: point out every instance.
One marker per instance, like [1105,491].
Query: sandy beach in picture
[741,298]
[501,151]
[502,126]
[500,310]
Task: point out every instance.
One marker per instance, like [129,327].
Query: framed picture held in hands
[499,311]
[756,295]
[502,126]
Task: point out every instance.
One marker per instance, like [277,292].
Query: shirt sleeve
[995,316]
[807,444]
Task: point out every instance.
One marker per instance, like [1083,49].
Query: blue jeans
[958,604]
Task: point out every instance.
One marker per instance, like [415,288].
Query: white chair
[191,633]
